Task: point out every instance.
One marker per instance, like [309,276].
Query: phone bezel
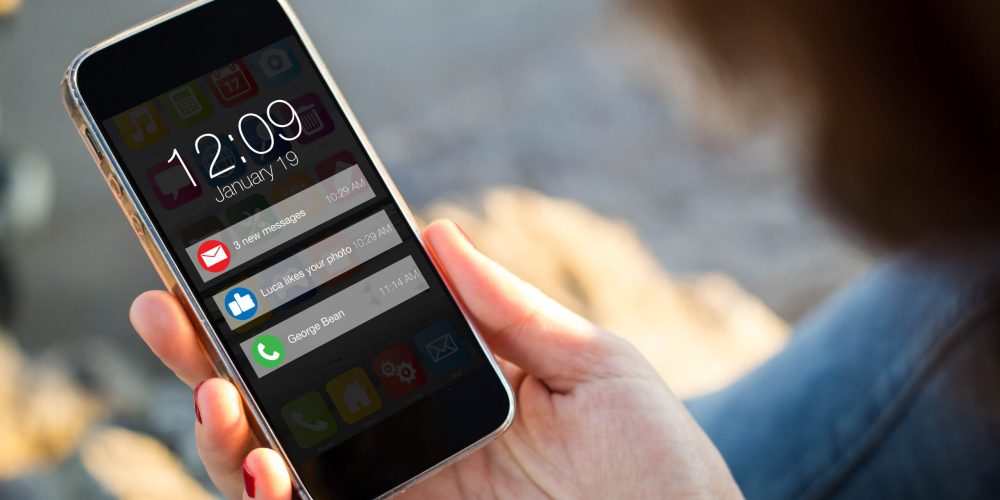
[169,270]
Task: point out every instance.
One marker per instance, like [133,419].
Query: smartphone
[265,210]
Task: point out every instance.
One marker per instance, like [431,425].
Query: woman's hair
[902,100]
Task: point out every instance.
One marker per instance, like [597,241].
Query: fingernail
[466,235]
[197,412]
[248,481]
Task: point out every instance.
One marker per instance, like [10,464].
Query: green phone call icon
[268,351]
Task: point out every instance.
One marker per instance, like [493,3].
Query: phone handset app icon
[241,303]
[141,126]
[309,419]
[268,351]
[213,256]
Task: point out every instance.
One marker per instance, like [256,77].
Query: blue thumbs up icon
[241,304]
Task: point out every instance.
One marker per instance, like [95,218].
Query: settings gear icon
[387,368]
[404,371]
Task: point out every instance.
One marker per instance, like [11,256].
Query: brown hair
[903,100]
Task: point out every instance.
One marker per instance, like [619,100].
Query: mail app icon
[213,256]
[441,348]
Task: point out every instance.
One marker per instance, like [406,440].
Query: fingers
[160,321]
[519,322]
[265,476]
[222,433]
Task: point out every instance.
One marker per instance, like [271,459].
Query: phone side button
[116,187]
[140,230]
[93,144]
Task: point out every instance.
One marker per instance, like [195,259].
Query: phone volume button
[116,187]
[140,230]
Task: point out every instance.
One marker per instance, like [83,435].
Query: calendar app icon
[232,84]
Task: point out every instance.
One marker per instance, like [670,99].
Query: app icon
[249,207]
[276,64]
[335,164]
[241,303]
[186,105]
[232,84]
[141,126]
[354,395]
[268,351]
[261,139]
[213,256]
[291,185]
[440,348]
[316,122]
[200,230]
[309,419]
[171,185]
[228,164]
[398,370]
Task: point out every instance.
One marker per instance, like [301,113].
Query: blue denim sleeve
[890,390]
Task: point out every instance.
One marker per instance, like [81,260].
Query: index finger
[160,320]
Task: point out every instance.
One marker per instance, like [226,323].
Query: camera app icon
[276,64]
[273,62]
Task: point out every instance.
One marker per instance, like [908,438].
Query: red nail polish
[466,235]
[248,481]
[197,412]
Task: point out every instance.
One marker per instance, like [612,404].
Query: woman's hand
[594,419]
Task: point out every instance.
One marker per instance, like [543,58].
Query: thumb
[265,476]
[518,321]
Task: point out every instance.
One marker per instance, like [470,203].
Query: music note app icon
[141,126]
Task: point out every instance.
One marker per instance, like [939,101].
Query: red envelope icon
[213,256]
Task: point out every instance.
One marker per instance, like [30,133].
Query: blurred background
[692,240]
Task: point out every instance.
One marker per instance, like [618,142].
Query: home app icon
[354,395]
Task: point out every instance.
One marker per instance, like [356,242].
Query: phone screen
[272,208]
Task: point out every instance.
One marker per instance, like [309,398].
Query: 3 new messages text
[265,232]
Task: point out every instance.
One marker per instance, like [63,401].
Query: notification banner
[336,315]
[271,227]
[301,273]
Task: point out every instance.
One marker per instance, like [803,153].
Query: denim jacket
[889,390]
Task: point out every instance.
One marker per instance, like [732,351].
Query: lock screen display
[304,265]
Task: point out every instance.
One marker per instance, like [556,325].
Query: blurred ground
[457,97]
